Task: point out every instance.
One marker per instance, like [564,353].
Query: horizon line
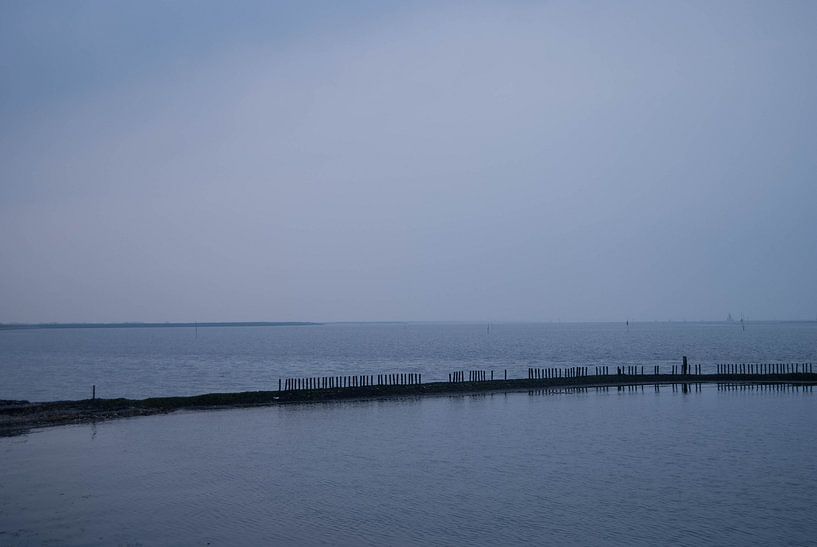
[205,324]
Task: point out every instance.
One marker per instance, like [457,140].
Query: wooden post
[93,392]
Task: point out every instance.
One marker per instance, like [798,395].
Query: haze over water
[508,162]
[378,161]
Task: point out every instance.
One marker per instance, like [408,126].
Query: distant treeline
[19,326]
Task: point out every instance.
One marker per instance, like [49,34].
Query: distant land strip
[21,326]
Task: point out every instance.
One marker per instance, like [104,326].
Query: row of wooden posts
[764,368]
[570,372]
[474,376]
[401,379]
[333,382]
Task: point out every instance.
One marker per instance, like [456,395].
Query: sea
[64,364]
[721,465]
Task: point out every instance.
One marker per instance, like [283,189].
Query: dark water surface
[63,364]
[710,467]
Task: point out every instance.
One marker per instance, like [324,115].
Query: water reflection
[570,467]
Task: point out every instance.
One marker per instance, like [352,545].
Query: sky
[368,161]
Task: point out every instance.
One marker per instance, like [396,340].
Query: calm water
[63,364]
[709,467]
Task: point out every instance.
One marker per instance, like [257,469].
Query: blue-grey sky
[172,161]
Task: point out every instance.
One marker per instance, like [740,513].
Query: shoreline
[20,417]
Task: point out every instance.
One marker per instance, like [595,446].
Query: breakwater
[19,416]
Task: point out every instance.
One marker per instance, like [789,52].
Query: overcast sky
[216,161]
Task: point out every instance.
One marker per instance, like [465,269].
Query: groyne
[20,416]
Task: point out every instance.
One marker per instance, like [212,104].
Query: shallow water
[63,364]
[733,467]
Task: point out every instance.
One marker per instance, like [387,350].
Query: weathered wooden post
[93,392]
